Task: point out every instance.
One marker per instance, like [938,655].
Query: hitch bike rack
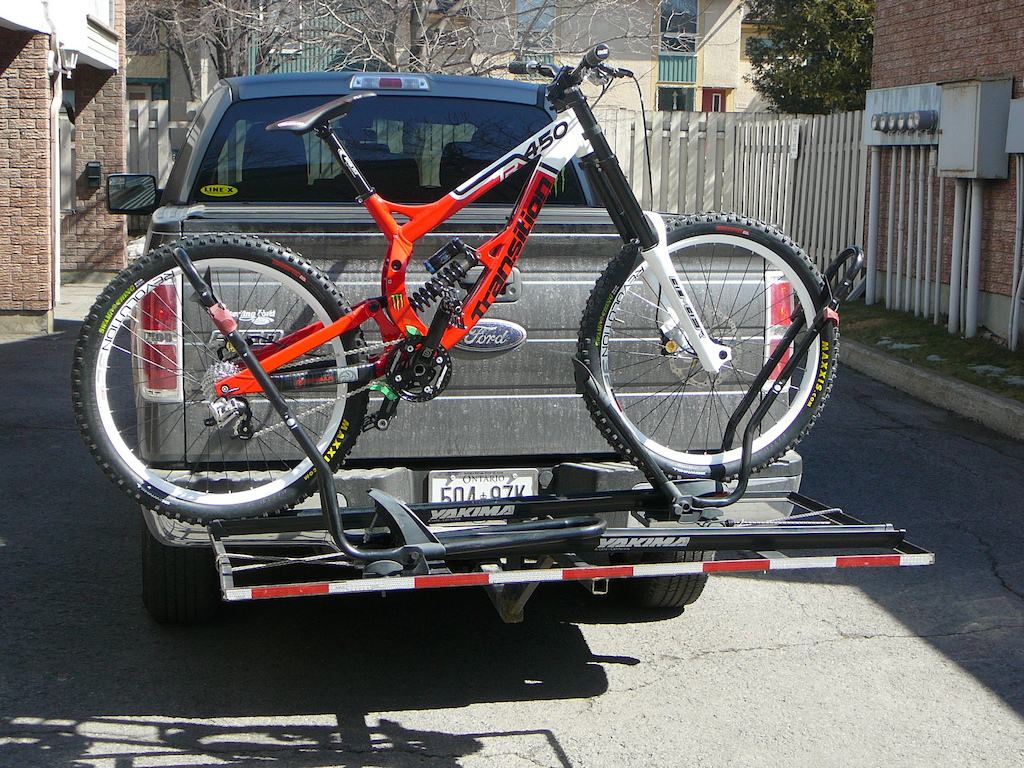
[512,545]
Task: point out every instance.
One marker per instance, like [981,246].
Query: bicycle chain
[368,349]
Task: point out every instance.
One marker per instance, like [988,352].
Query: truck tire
[179,584]
[666,591]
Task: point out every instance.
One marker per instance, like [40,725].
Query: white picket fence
[805,174]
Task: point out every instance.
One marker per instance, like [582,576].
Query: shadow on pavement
[958,490]
[294,682]
[77,644]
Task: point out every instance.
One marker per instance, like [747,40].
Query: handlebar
[531,68]
[592,61]
[596,55]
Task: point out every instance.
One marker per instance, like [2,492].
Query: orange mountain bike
[707,346]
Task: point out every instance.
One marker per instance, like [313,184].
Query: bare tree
[477,36]
[238,37]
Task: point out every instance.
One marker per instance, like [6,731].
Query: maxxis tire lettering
[800,414]
[92,339]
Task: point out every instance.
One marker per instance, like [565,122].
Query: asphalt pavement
[855,667]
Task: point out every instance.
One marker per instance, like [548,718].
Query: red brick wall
[25,259]
[928,41]
[931,41]
[92,238]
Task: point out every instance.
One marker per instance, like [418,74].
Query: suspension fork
[678,318]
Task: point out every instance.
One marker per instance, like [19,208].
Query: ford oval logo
[492,337]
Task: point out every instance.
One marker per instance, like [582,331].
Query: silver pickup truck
[512,421]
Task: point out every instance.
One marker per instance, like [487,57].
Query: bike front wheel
[748,283]
[149,354]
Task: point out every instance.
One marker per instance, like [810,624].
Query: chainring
[417,377]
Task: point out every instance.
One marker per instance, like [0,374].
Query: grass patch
[981,361]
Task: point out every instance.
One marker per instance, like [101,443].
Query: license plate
[481,485]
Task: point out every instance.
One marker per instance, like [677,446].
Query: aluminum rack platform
[814,537]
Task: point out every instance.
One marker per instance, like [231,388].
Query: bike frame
[553,147]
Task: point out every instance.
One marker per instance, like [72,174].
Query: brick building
[62,129]
[941,42]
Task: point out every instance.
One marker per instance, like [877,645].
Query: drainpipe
[901,233]
[937,295]
[891,234]
[55,73]
[974,258]
[922,184]
[956,259]
[55,106]
[1018,280]
[929,234]
[873,204]
[913,194]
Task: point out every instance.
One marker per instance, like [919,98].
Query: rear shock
[448,266]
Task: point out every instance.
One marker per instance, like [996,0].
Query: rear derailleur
[233,411]
[226,411]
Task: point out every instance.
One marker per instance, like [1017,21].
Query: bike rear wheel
[144,367]
[748,284]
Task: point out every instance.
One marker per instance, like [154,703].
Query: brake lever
[602,74]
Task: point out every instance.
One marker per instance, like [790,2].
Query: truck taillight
[159,342]
[780,311]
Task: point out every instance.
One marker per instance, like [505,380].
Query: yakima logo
[455,513]
[493,337]
[644,542]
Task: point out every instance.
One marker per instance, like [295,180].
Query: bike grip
[519,68]
[596,55]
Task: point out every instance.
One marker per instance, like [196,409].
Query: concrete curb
[999,413]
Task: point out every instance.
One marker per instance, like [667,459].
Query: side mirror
[133,193]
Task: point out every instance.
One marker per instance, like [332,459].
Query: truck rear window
[411,149]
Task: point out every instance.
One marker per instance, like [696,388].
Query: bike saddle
[307,121]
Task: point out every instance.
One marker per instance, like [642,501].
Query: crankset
[418,373]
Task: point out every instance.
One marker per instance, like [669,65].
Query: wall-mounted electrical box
[904,116]
[972,136]
[1015,128]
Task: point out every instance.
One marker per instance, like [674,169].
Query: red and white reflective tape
[497,578]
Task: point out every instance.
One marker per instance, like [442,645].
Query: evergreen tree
[812,56]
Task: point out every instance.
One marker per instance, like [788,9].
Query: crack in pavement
[990,556]
[844,637]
